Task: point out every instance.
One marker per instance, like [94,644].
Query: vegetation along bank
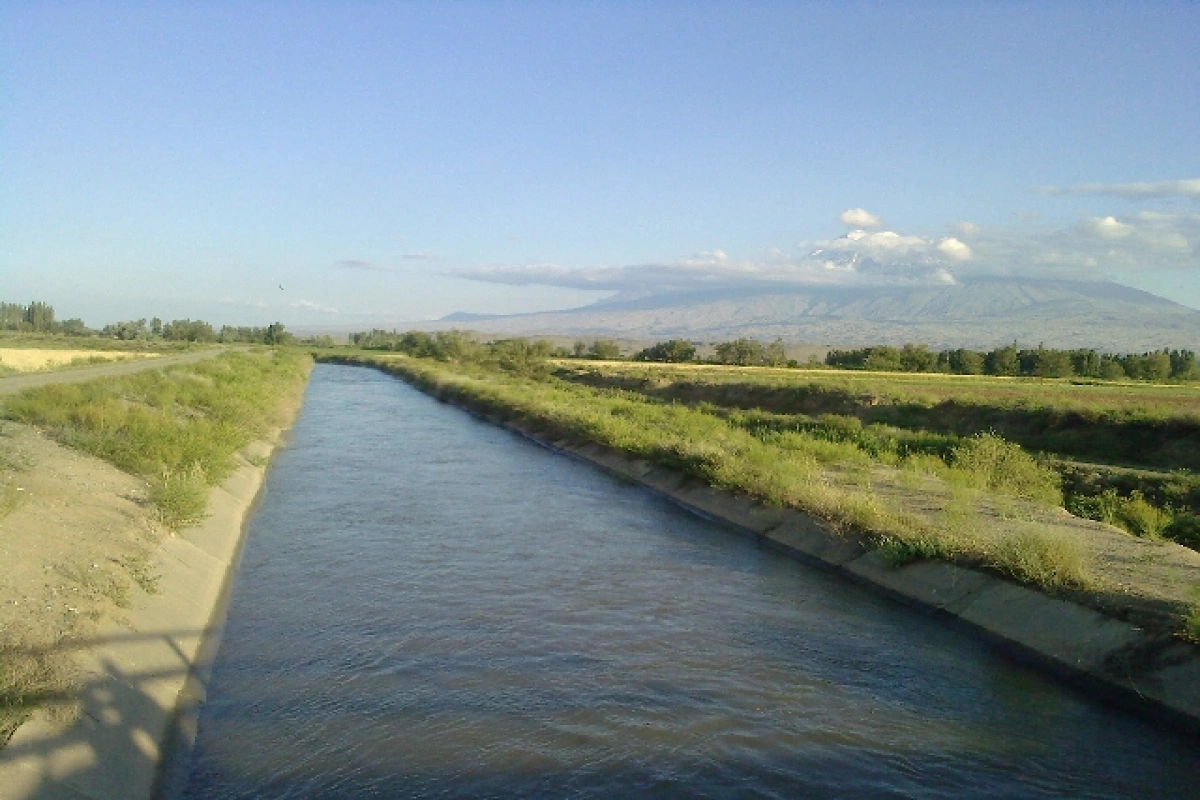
[967,517]
[121,514]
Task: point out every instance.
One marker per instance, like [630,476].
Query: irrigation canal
[431,606]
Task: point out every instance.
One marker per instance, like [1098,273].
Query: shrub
[1191,623]
[180,497]
[1184,530]
[1042,558]
[993,463]
[1140,517]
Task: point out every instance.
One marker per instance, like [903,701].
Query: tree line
[1012,360]
[38,317]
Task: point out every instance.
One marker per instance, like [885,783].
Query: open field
[31,359]
[983,503]
[1127,453]
[92,476]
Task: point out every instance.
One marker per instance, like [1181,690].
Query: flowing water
[431,606]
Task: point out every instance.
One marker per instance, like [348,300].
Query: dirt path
[18,383]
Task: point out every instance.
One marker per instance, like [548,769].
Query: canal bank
[142,675]
[1150,672]
[430,605]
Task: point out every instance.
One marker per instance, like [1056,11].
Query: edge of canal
[147,674]
[1154,676]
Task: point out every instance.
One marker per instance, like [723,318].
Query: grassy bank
[977,500]
[179,429]
[864,492]
[1127,453]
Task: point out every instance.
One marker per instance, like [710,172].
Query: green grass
[827,469]
[1043,558]
[917,420]
[178,427]
[1154,425]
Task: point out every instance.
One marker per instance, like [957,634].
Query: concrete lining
[144,678]
[1107,658]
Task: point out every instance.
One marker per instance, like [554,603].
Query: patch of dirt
[75,536]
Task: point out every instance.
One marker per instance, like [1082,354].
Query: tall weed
[989,462]
[1042,557]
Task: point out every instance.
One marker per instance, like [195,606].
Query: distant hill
[980,313]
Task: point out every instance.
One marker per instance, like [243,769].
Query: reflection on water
[430,606]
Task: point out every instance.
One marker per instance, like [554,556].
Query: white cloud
[309,305]
[1108,227]
[859,218]
[954,249]
[1094,247]
[1181,188]
[858,257]
[965,228]
[1091,249]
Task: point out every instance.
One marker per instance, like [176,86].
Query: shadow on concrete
[137,702]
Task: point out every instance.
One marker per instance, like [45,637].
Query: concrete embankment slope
[142,677]
[1153,676]
[1151,673]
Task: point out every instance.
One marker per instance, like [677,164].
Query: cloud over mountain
[1094,248]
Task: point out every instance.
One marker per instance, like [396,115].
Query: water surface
[430,606]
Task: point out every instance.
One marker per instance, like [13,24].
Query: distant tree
[1049,363]
[187,330]
[126,331]
[965,362]
[775,354]
[74,327]
[604,350]
[455,345]
[1158,366]
[1111,370]
[579,349]
[39,317]
[671,351]
[156,327]
[741,352]
[847,359]
[1184,366]
[1086,363]
[12,316]
[276,334]
[917,358]
[883,359]
[1002,361]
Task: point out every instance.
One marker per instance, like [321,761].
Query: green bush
[993,463]
[1042,558]
[1184,529]
[180,497]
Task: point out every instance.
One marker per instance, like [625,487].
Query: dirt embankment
[106,617]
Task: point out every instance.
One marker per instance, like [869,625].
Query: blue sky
[384,162]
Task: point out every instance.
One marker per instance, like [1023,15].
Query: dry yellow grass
[34,359]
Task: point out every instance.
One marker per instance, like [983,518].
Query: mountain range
[978,313]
